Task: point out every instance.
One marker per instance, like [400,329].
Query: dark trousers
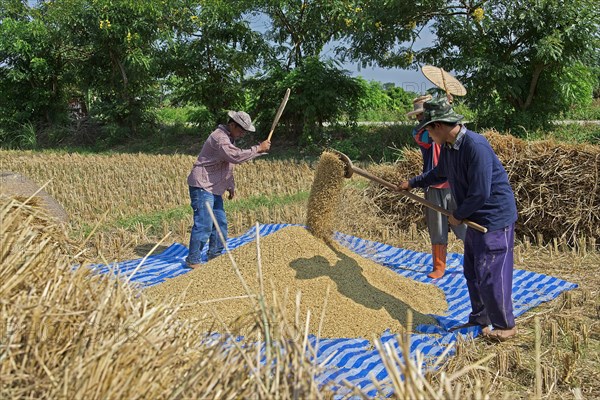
[488,268]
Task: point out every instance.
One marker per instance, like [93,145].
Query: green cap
[438,110]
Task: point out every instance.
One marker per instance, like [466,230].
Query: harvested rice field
[79,335]
[358,297]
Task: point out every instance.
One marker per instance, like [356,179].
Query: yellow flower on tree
[478,14]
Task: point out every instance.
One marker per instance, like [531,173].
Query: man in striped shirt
[211,177]
[439,194]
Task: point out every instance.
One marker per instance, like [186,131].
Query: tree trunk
[537,71]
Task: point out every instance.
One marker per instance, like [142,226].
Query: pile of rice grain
[365,298]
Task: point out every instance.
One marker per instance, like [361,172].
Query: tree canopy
[523,63]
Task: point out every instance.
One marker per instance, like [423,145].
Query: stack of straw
[555,184]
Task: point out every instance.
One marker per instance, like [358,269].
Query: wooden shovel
[279,112]
[350,169]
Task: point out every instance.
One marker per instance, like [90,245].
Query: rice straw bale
[555,184]
[16,185]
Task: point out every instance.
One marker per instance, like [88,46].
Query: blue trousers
[488,267]
[203,230]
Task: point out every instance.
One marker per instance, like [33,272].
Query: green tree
[33,68]
[120,40]
[384,32]
[103,52]
[384,102]
[321,92]
[523,62]
[213,52]
[301,29]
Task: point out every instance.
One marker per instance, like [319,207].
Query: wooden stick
[415,197]
[279,112]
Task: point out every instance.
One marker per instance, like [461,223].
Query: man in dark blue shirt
[482,192]
[440,195]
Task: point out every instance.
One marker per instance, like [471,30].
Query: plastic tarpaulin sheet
[354,359]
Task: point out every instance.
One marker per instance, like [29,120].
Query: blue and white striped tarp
[355,360]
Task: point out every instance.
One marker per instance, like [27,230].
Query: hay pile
[69,334]
[365,298]
[401,211]
[17,185]
[325,196]
[556,186]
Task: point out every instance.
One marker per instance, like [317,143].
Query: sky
[409,80]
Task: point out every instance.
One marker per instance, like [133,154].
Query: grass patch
[255,202]
[249,204]
[570,133]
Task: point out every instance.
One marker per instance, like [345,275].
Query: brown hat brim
[444,80]
[414,112]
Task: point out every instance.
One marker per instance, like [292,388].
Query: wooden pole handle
[415,197]
[279,112]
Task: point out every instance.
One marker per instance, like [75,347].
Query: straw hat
[438,110]
[418,105]
[243,119]
[444,80]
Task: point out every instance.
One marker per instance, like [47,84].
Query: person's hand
[404,185]
[231,194]
[263,147]
[453,221]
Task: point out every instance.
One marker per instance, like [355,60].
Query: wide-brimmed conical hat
[444,80]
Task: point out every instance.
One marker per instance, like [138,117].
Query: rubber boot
[439,260]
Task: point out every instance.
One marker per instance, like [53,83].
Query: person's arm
[422,139]
[431,177]
[234,155]
[479,175]
[434,176]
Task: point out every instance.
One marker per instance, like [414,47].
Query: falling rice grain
[325,196]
